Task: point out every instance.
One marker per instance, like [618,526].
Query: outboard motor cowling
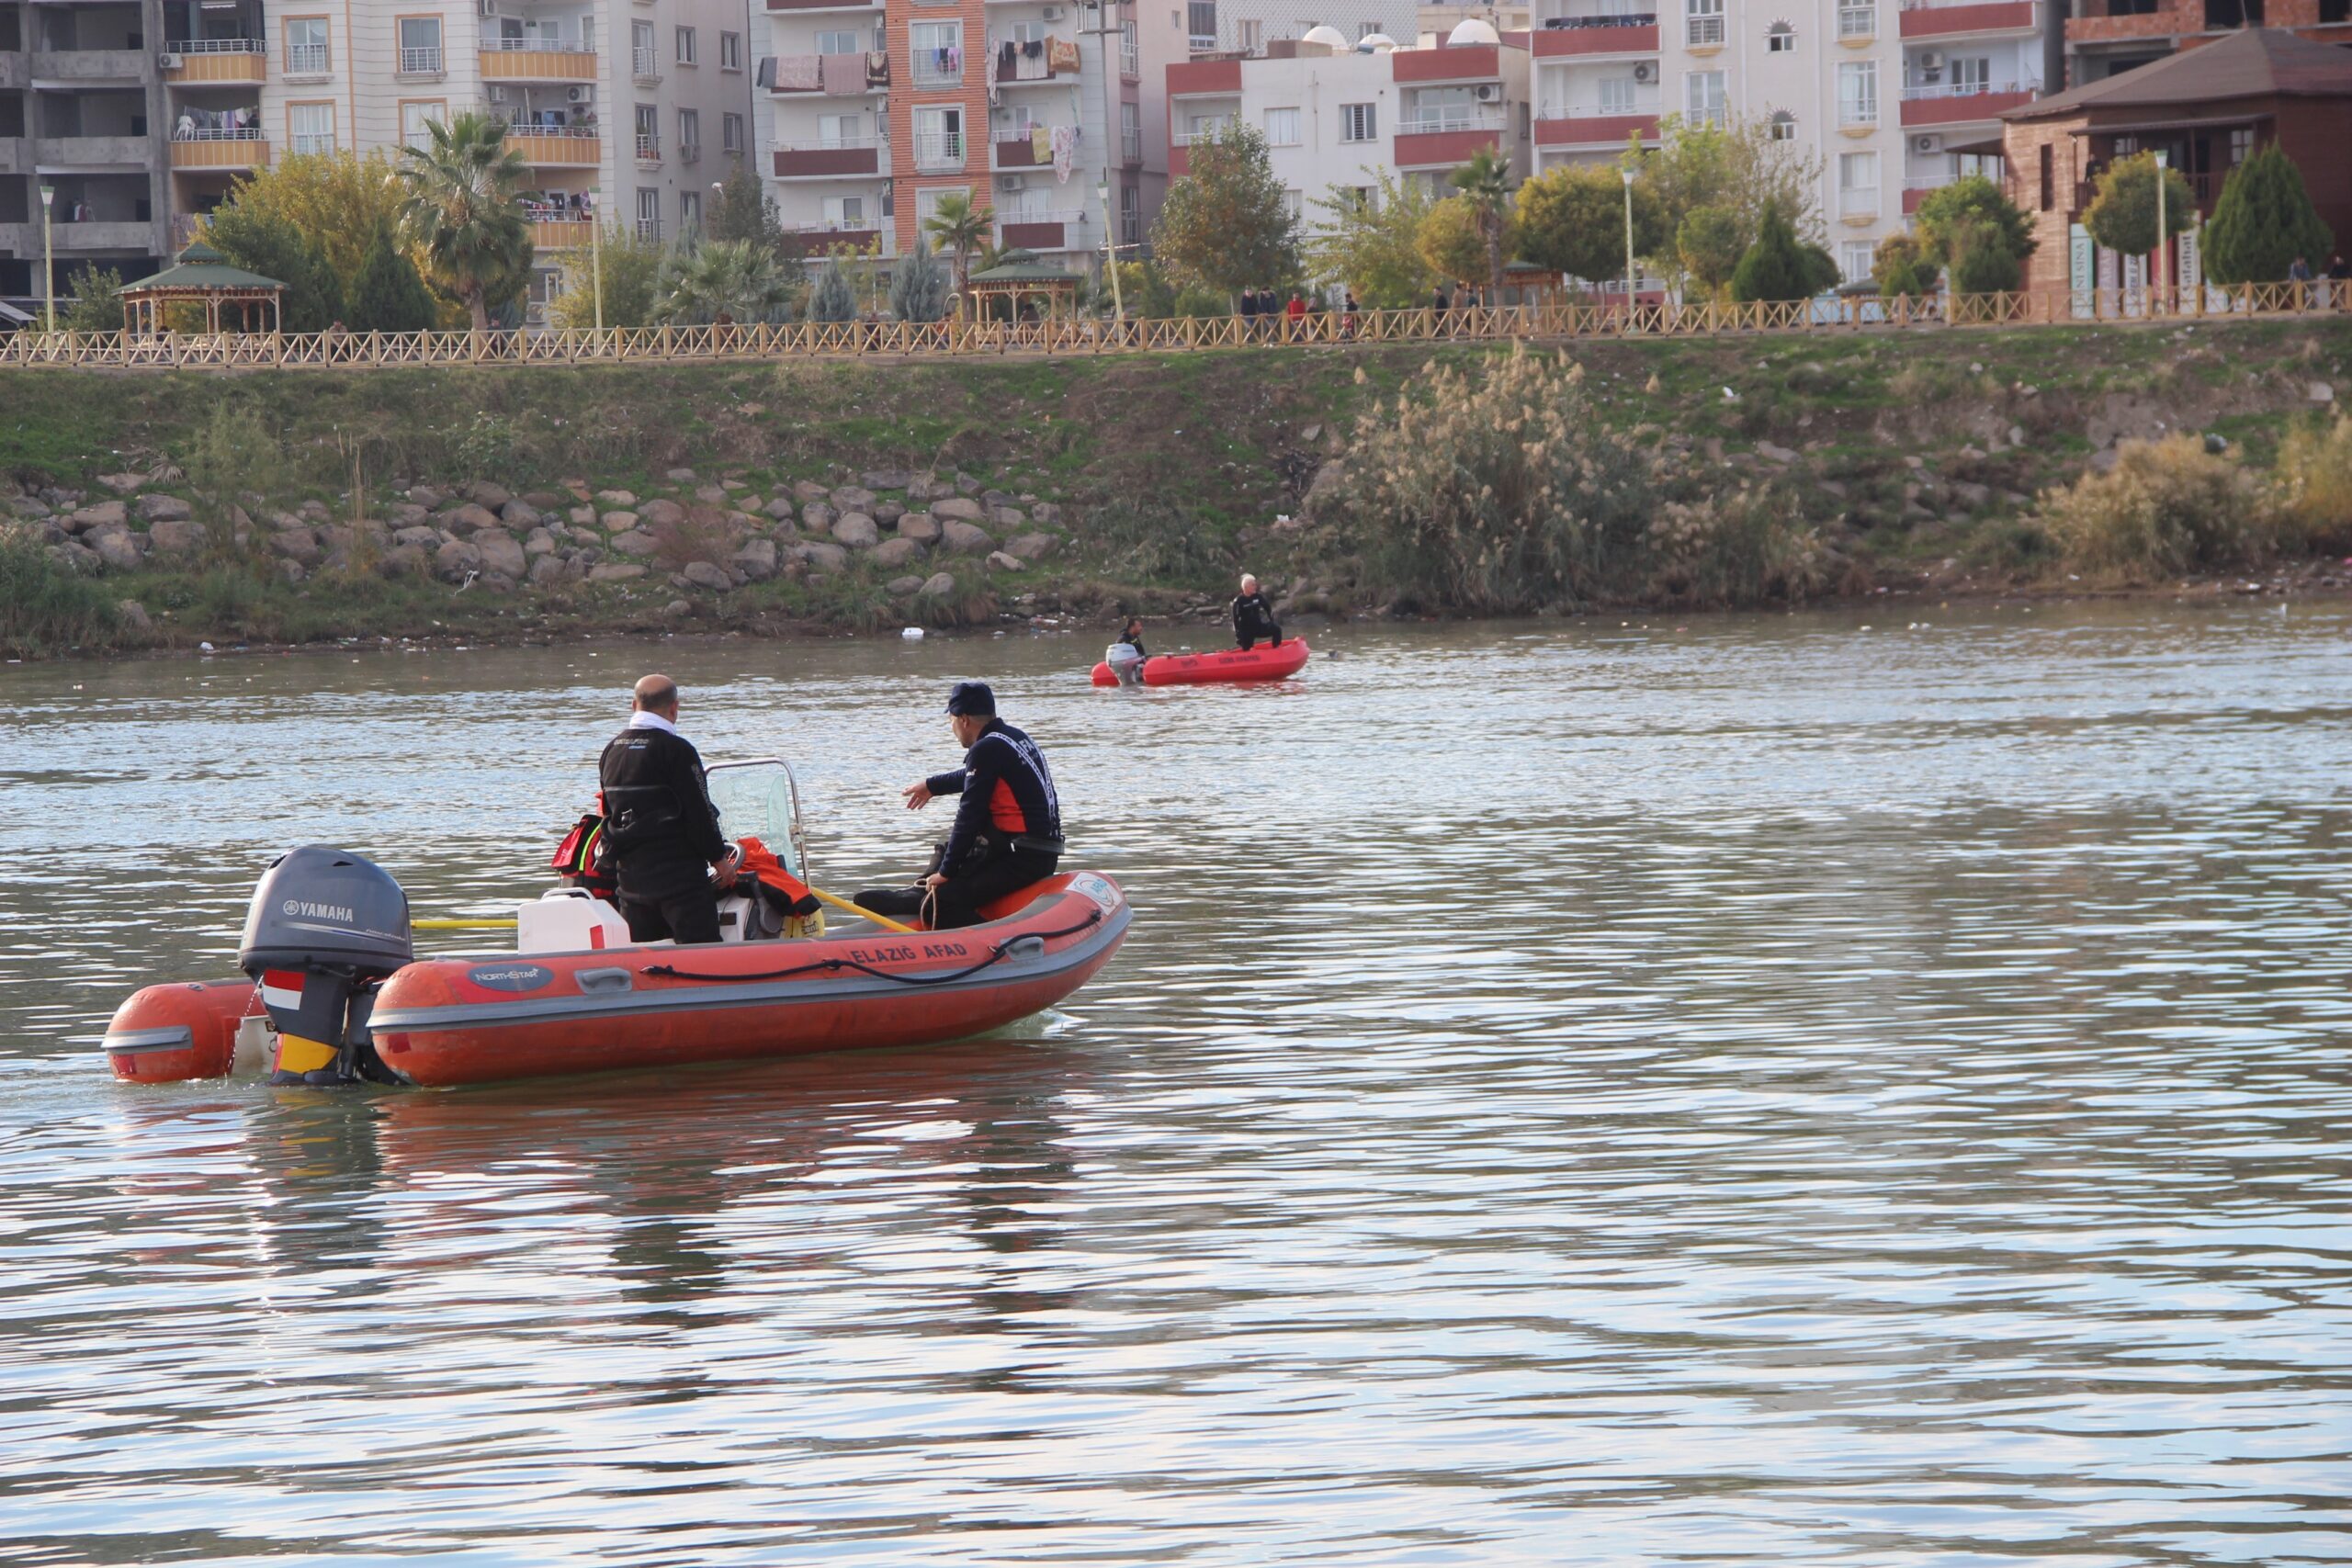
[325,927]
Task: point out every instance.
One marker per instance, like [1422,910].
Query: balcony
[1443,138]
[939,151]
[1131,144]
[819,239]
[648,150]
[1915,190]
[210,61]
[562,234]
[1938,18]
[1964,105]
[535,59]
[645,66]
[100,236]
[1571,38]
[832,161]
[221,150]
[649,229]
[1588,125]
[557,147]
[69,152]
[85,66]
[1020,151]
[1052,231]
[426,62]
[310,59]
[930,78]
[1463,62]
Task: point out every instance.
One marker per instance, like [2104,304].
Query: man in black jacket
[1008,831]
[1252,617]
[659,819]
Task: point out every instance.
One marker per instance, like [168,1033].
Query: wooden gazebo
[1524,283]
[1017,281]
[204,276]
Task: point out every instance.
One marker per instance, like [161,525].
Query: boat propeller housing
[325,927]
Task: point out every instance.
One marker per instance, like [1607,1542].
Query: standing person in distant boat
[1253,618]
[660,823]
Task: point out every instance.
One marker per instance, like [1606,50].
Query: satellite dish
[1376,43]
[1472,30]
[1328,36]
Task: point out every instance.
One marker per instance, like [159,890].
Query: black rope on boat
[997,953]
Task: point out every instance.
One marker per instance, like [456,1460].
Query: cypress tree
[833,300]
[2263,221]
[1775,267]
[388,296]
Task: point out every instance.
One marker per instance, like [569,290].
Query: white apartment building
[1335,114]
[1249,26]
[645,103]
[1895,98]
[874,112]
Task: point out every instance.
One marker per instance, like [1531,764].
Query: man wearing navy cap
[1008,831]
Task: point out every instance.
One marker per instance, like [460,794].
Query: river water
[1764,1090]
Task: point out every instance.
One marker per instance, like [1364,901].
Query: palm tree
[724,281]
[960,231]
[1485,184]
[460,207]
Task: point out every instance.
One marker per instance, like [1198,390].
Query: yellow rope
[507,925]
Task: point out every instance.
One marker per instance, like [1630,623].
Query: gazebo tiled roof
[204,270]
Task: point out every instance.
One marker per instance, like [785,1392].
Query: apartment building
[79,96]
[2106,37]
[1249,26]
[877,112]
[1895,98]
[1338,115]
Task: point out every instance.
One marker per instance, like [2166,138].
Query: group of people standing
[1293,315]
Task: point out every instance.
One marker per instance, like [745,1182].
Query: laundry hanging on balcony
[1041,146]
[1065,147]
[878,68]
[844,75]
[800,72]
[1061,55]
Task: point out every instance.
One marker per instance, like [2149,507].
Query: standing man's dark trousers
[665,894]
[1265,629]
[959,899]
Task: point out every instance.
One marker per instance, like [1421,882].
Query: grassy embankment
[1918,458]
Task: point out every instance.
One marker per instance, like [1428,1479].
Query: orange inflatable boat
[1264,662]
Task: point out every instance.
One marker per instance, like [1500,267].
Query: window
[939,138]
[1200,23]
[841,131]
[1857,18]
[1857,185]
[844,41]
[938,53]
[1703,97]
[1249,33]
[1130,53]
[1130,216]
[927,200]
[2048,177]
[689,212]
[1281,127]
[2241,147]
[1130,132]
[1780,39]
[1366,29]
[730,132]
[1028,32]
[649,136]
[1702,23]
[420,46]
[1783,125]
[1295,204]
[844,212]
[1854,259]
[1367,199]
[1970,74]
[306,47]
[1619,94]
[311,127]
[1857,92]
[645,63]
[1358,122]
[689,134]
[730,51]
[416,115]
[648,213]
[686,46]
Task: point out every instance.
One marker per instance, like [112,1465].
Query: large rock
[850,498]
[161,508]
[806,491]
[756,559]
[920,527]
[123,484]
[938,585]
[619,500]
[816,517]
[619,522]
[616,572]
[884,479]
[405,560]
[821,556]
[117,552]
[1046,514]
[886,513]
[965,539]
[711,495]
[661,514]
[453,560]
[500,552]
[427,497]
[297,544]
[97,516]
[520,515]
[928,487]
[134,616]
[1031,547]
[1001,560]
[892,553]
[958,508]
[1007,516]
[181,539]
[783,509]
[489,495]
[422,536]
[78,558]
[680,476]
[470,519]
[857,531]
[549,570]
[899,587]
[702,574]
[635,542]
[539,543]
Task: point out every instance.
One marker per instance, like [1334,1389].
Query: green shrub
[45,608]
[2167,507]
[1745,547]
[2314,484]
[1202,302]
[1493,492]
[1775,266]
[1151,541]
[2263,221]
[1986,264]
[95,301]
[1901,265]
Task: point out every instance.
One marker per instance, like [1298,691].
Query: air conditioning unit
[1931,61]
[169,62]
[1053,13]
[1646,73]
[488,7]
[582,95]
[1010,182]
[1927,144]
[1488,92]
[497,94]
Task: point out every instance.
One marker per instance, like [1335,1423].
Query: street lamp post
[1111,253]
[1628,176]
[597,252]
[2156,256]
[48,259]
[1107,25]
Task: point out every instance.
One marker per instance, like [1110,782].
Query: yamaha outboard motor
[325,927]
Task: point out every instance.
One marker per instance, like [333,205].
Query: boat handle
[1024,949]
[598,982]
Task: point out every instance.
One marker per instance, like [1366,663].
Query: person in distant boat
[1252,617]
[1132,635]
[1126,655]
[659,821]
[1008,830]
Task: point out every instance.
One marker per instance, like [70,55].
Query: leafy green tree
[744,212]
[2122,215]
[1775,266]
[390,297]
[1949,215]
[336,201]
[1374,246]
[1451,242]
[2263,221]
[1226,224]
[1484,184]
[1735,166]
[1573,220]
[960,230]
[1986,263]
[1708,244]
[1148,294]
[631,266]
[919,287]
[1201,302]
[463,212]
[832,299]
[725,282]
[93,301]
[1902,266]
[259,243]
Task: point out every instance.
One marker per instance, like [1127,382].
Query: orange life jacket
[760,863]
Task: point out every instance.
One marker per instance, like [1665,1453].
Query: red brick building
[2208,110]
[2107,38]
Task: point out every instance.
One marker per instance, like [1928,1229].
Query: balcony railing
[207,60]
[1645,19]
[542,43]
[1130,61]
[648,148]
[1428,121]
[1206,133]
[939,151]
[306,60]
[556,146]
[928,74]
[648,229]
[1967,90]
[1859,112]
[1621,108]
[646,63]
[422,62]
[1701,32]
[217,46]
[323,142]
[1131,144]
[244,148]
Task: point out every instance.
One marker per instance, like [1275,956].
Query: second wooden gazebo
[1020,281]
[205,277]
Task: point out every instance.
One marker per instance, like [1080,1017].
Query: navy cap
[971,699]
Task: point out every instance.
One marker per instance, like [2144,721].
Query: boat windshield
[758,800]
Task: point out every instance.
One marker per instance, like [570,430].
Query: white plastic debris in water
[204,647]
[912,634]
